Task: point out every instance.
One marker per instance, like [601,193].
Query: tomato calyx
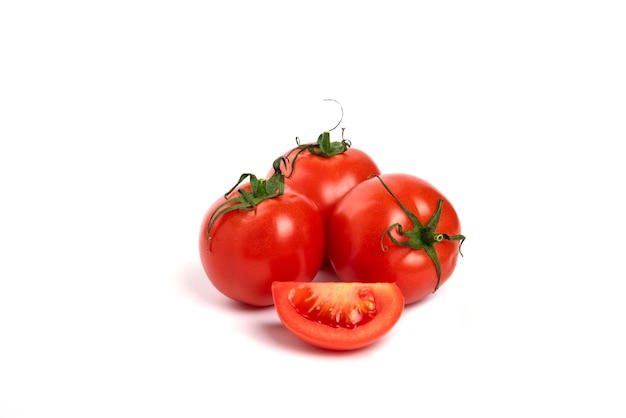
[421,236]
[260,190]
[324,147]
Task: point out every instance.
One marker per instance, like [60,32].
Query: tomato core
[339,309]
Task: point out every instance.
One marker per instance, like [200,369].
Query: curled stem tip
[341,107]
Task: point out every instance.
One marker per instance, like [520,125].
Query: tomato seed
[338,309]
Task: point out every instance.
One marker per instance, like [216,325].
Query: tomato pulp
[338,316]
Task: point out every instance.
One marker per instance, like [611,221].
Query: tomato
[338,316]
[245,249]
[325,174]
[395,228]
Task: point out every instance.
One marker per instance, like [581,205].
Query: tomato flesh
[338,307]
[336,315]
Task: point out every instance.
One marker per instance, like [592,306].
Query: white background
[122,121]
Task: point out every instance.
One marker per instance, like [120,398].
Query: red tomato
[375,237]
[338,316]
[281,239]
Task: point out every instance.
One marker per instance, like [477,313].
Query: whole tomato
[259,234]
[395,228]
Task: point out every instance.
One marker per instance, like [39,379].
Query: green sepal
[325,148]
[260,190]
[420,237]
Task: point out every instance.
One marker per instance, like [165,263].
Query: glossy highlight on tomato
[338,316]
[326,179]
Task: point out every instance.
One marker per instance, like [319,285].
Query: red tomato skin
[283,239]
[389,306]
[325,180]
[362,216]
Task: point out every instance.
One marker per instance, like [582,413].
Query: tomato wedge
[336,315]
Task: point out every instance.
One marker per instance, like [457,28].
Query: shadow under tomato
[259,322]
[326,274]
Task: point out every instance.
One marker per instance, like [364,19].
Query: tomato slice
[336,315]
